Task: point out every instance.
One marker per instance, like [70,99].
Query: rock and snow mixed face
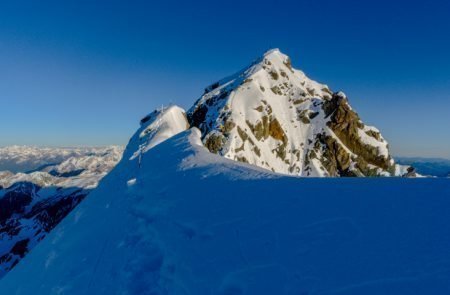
[273,116]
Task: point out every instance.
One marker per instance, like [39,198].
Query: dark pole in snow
[140,156]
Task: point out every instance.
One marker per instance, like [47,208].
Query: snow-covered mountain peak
[275,55]
[272,51]
[273,116]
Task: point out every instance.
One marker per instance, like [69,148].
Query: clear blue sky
[84,72]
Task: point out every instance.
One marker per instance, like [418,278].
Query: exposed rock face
[346,125]
[273,116]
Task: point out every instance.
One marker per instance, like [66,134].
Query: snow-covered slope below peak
[187,221]
[273,116]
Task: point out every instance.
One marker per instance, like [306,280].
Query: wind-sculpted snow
[182,220]
[158,126]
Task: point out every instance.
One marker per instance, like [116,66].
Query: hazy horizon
[83,74]
[124,145]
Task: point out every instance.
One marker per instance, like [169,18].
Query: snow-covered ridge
[182,220]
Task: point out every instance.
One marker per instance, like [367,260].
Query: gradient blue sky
[85,72]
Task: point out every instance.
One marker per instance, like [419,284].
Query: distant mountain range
[31,158]
[427,166]
[47,185]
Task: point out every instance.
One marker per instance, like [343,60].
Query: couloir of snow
[180,220]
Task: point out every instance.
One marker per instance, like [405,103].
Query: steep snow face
[273,116]
[186,221]
[32,204]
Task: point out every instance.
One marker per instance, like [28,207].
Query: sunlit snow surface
[196,223]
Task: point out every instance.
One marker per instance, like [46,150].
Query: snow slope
[186,221]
